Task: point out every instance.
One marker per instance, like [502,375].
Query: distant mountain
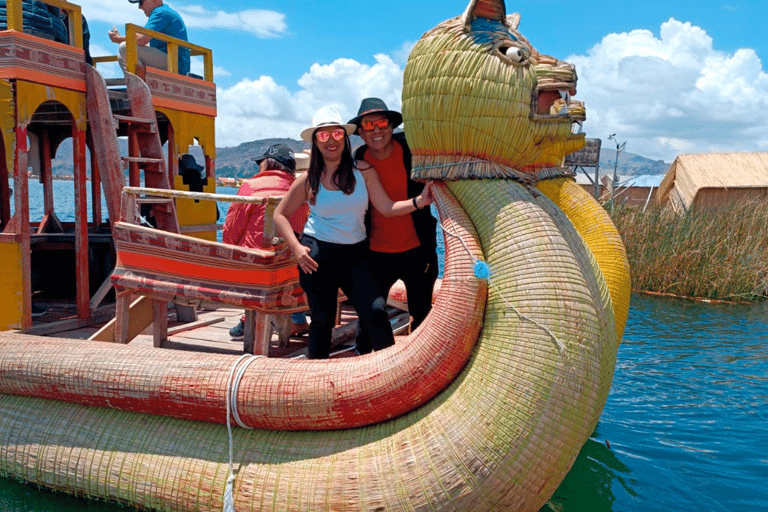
[238,161]
[630,164]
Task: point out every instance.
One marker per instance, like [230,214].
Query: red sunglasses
[368,126]
[337,135]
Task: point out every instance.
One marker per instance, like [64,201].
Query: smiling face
[330,140]
[475,88]
[377,137]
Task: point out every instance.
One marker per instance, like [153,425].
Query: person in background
[153,52]
[331,252]
[401,247]
[244,224]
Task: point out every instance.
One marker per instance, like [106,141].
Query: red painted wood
[82,290]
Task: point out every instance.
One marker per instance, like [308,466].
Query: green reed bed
[715,255]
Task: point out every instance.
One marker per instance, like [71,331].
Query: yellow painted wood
[11,286]
[7,123]
[30,96]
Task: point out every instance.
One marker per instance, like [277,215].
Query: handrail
[131,53]
[162,192]
[15,20]
[270,203]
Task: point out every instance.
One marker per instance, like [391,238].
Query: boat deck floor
[210,333]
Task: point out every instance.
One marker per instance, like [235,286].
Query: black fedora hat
[376,106]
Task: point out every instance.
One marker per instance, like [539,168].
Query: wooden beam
[138,317]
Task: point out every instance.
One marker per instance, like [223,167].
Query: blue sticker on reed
[482,270]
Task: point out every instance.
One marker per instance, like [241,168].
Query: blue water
[685,426]
[686,417]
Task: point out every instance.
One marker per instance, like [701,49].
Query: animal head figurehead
[477,94]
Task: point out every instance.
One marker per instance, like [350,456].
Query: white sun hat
[326,116]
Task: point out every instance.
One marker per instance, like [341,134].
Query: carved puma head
[476,89]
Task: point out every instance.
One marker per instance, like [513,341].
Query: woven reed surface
[600,234]
[273,393]
[501,437]
[461,100]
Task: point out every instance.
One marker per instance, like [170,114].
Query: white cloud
[256,109]
[674,93]
[259,22]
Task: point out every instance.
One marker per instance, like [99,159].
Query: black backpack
[423,221]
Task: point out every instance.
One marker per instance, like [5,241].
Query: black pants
[342,266]
[418,268]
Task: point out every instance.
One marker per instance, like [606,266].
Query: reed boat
[484,407]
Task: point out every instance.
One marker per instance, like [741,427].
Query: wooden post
[122,317]
[21,216]
[82,291]
[46,172]
[258,333]
[160,324]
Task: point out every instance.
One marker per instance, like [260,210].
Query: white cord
[483,271]
[233,384]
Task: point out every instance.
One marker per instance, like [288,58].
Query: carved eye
[516,54]
[512,52]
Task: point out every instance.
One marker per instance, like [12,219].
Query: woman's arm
[292,201]
[381,200]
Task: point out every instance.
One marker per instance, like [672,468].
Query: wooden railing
[131,54]
[13,10]
[132,196]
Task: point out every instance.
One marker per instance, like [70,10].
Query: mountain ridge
[237,161]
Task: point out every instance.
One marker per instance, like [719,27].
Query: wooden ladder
[145,152]
[145,149]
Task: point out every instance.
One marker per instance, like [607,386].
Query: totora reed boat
[484,407]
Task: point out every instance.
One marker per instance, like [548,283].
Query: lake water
[685,426]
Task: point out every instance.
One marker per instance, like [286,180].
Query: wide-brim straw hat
[326,116]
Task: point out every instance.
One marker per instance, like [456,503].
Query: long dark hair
[343,177]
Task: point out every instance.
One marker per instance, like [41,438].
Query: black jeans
[342,266]
[418,268]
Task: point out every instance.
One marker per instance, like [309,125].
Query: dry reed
[721,254]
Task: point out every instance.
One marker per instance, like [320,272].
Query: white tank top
[339,218]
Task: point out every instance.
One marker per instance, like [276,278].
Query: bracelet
[415,204]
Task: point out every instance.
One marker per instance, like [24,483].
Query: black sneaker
[38,311]
[238,331]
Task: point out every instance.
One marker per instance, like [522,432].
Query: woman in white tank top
[332,249]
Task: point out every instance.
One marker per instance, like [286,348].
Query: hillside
[630,164]
[237,161]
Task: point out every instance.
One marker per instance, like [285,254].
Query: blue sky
[668,79]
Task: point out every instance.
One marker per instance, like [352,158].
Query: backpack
[423,221]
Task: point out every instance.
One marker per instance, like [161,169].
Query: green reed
[719,254]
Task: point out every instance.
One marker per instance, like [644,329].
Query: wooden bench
[164,267]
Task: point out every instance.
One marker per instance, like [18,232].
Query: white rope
[233,385]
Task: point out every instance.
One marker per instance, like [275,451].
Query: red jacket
[244,224]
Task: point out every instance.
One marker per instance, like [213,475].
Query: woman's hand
[306,263]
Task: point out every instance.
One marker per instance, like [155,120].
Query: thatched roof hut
[707,181]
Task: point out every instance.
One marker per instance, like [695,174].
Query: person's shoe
[297,329]
[238,331]
[38,310]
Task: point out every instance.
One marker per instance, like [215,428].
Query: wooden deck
[210,333]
